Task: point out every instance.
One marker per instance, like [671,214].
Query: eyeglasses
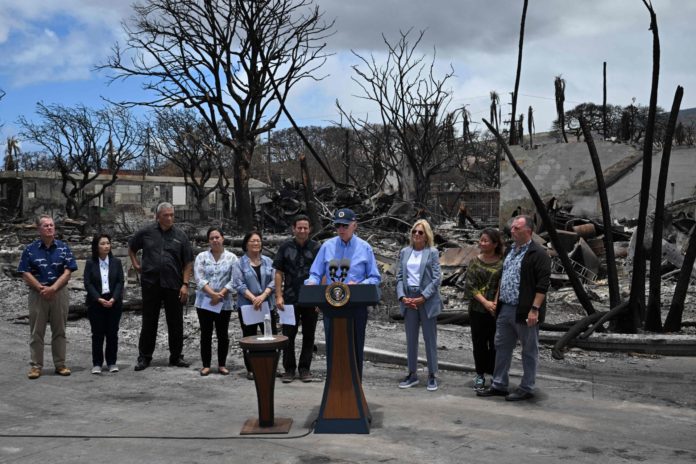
[342,226]
[417,232]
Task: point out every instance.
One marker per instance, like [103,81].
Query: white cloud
[56,41]
[49,41]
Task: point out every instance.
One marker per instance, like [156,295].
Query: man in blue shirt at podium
[363,268]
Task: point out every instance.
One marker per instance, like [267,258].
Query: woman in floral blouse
[213,274]
[482,280]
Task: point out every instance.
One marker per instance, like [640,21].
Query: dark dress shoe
[179,362]
[519,395]
[142,365]
[490,391]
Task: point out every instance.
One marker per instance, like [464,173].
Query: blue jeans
[507,332]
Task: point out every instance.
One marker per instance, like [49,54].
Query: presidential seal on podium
[337,294]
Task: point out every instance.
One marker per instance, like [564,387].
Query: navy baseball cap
[344,216]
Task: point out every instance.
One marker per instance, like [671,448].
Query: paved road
[609,412]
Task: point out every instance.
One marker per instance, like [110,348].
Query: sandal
[205,371]
[223,370]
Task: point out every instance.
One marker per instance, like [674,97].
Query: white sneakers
[98,370]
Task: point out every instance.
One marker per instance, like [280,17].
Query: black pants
[104,323]
[307,317]
[221,322]
[254,329]
[153,298]
[482,337]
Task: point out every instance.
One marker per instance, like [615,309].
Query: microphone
[344,264]
[333,267]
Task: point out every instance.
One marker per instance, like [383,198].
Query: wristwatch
[535,308]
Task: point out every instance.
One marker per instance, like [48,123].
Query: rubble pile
[384,223]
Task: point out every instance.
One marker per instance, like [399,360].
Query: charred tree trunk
[513,127]
[612,275]
[226,205]
[530,126]
[557,351]
[673,323]
[653,313]
[223,188]
[203,210]
[559,87]
[614,312]
[309,195]
[422,189]
[580,292]
[245,215]
[630,321]
[604,101]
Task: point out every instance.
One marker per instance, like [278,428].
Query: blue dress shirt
[363,266]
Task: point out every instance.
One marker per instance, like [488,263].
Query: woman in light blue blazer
[253,279]
[418,288]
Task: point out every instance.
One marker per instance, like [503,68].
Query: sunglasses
[342,226]
[417,232]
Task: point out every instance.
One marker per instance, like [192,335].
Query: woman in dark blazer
[418,281]
[104,284]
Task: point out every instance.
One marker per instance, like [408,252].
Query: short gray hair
[163,205]
[42,217]
[528,221]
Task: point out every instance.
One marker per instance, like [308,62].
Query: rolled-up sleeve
[373,277]
[238,281]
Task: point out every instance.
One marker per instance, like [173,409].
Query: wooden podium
[343,406]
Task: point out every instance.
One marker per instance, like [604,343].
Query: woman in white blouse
[213,273]
[418,288]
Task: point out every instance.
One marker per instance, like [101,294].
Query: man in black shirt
[292,263]
[165,270]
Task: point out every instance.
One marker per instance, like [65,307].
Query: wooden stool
[263,357]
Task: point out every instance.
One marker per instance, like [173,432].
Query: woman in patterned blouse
[482,280]
[213,273]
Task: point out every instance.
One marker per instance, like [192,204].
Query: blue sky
[50,48]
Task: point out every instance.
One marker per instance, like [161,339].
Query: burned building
[564,171]
[29,193]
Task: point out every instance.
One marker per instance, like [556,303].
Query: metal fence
[484,207]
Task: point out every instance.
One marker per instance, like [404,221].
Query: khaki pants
[41,313]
